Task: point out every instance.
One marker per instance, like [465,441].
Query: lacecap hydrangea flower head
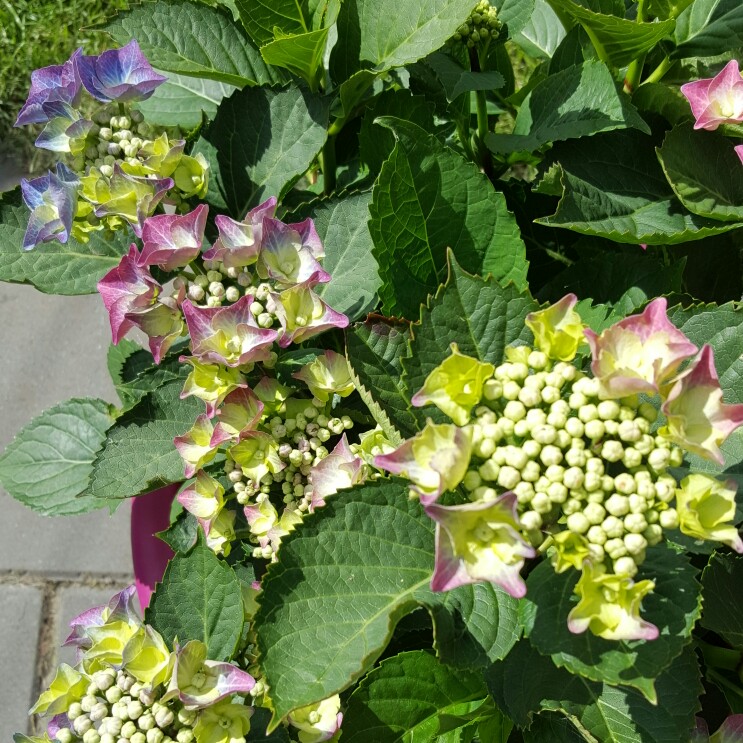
[570,463]
[116,169]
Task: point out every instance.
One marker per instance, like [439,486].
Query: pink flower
[239,243]
[638,354]
[303,314]
[698,420]
[240,413]
[478,542]
[340,469]
[171,240]
[127,288]
[228,335]
[739,152]
[717,100]
[162,324]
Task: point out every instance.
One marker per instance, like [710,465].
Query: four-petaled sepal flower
[434,460]
[697,418]
[227,721]
[204,498]
[455,386]
[318,722]
[558,329]
[717,100]
[638,354]
[340,469]
[171,240]
[303,314]
[327,375]
[195,446]
[478,542]
[609,606]
[706,510]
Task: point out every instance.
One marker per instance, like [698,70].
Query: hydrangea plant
[442,355]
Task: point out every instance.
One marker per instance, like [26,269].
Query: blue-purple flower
[50,84]
[119,74]
[52,199]
[66,129]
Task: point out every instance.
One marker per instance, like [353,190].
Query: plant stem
[657,74]
[328,165]
[477,64]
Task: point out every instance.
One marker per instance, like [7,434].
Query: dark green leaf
[708,28]
[341,584]
[615,188]
[148,380]
[343,226]
[258,724]
[383,34]
[181,535]
[575,102]
[618,41]
[704,172]
[139,455]
[405,697]
[666,8]
[191,38]
[673,606]
[48,464]
[374,350]
[480,315]
[552,727]
[261,142]
[514,13]
[456,80]
[54,267]
[721,581]
[427,199]
[261,17]
[664,100]
[118,356]
[199,599]
[181,101]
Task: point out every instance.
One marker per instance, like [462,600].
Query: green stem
[478,62]
[329,165]
[634,72]
[657,74]
[717,657]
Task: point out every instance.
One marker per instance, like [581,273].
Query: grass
[37,33]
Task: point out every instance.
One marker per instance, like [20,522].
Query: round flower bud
[632,458]
[484,448]
[612,451]
[615,548]
[594,464]
[88,702]
[612,526]
[550,455]
[516,457]
[508,477]
[550,394]
[138,737]
[637,504]
[625,566]
[624,483]
[524,492]
[595,513]
[91,736]
[635,543]
[607,483]
[536,417]
[669,519]
[577,400]
[164,717]
[155,735]
[113,725]
[665,489]
[654,533]
[578,523]
[554,473]
[511,390]
[514,410]
[635,523]
[74,711]
[541,503]
[489,470]
[608,410]
[557,420]
[128,729]
[573,477]
[187,716]
[587,413]
[617,505]
[146,721]
[658,459]
[557,492]
[530,520]
[521,429]
[493,389]
[99,711]
[531,448]
[64,735]
[185,735]
[592,482]
[574,426]
[537,360]
[596,535]
[472,480]
[676,457]
[530,472]
[232,294]
[571,505]
[82,724]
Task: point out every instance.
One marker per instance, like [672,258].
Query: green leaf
[374,350]
[342,225]
[382,34]
[666,8]
[673,606]
[514,13]
[405,697]
[615,188]
[118,357]
[261,142]
[721,580]
[192,38]
[665,100]
[617,40]
[301,54]
[182,534]
[54,267]
[182,101]
[480,315]
[552,727]
[261,17]
[199,599]
[148,380]
[48,464]
[575,102]
[139,454]
[542,33]
[708,28]
[375,142]
[429,198]
[341,584]
[704,172]
[456,80]
[259,723]
[601,712]
[624,279]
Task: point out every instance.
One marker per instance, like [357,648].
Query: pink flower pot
[150,555]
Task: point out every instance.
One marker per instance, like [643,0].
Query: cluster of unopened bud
[574,461]
[303,441]
[116,708]
[481,25]
[115,137]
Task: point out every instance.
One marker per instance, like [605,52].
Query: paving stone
[20,618]
[74,601]
[54,348]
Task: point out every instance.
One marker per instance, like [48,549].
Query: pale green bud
[138,737]
[669,519]
[607,483]
[164,717]
[592,482]
[596,535]
[88,702]
[511,390]
[635,523]
[615,548]
[637,504]
[625,566]
[489,470]
[536,417]
[557,492]
[554,473]
[146,721]
[624,483]
[612,451]
[524,492]
[493,389]
[516,457]
[577,400]
[595,513]
[541,503]
[185,735]
[617,505]
[521,428]
[82,724]
[659,459]
[654,533]
[574,426]
[530,397]
[557,419]
[64,735]
[578,523]
[99,711]
[187,716]
[74,711]
[576,457]
[531,520]
[128,729]
[550,455]
[530,472]
[594,464]
[635,543]
[155,735]
[612,526]
[508,477]
[572,505]
[91,736]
